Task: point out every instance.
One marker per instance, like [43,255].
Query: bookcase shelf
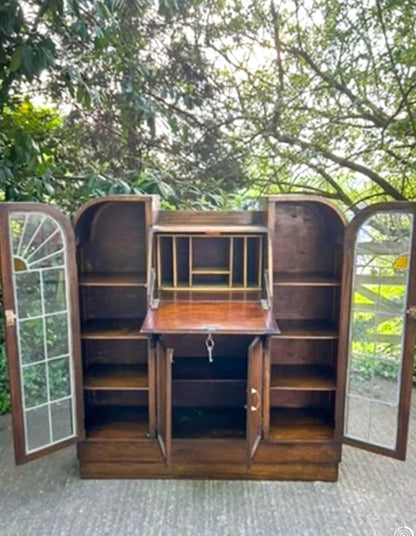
[111,328]
[116,377]
[304,425]
[304,378]
[305,279]
[306,329]
[117,423]
[117,279]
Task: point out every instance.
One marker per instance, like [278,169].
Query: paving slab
[374,496]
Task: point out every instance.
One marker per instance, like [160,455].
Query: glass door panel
[380,335]
[40,307]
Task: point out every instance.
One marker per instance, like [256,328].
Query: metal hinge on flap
[10,317]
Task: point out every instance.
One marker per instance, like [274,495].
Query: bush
[4,382]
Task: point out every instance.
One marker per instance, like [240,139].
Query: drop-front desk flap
[248,317]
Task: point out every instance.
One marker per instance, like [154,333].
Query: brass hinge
[412,312]
[10,317]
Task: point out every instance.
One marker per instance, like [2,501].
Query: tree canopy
[208,103]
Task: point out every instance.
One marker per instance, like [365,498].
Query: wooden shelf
[118,279]
[210,229]
[306,329]
[199,423]
[306,424]
[116,378]
[117,423]
[206,270]
[204,287]
[302,378]
[112,329]
[305,279]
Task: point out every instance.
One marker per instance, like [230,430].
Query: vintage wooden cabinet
[209,344]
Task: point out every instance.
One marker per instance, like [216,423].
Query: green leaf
[16,59]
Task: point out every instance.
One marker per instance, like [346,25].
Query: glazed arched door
[40,300]
[377,335]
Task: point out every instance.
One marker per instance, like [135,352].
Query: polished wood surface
[163,362]
[277,471]
[208,450]
[297,377]
[300,425]
[306,329]
[205,316]
[112,328]
[254,404]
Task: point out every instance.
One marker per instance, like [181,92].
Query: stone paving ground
[374,496]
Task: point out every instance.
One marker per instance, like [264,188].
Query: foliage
[4,383]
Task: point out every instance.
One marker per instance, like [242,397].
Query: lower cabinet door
[254,397]
[164,357]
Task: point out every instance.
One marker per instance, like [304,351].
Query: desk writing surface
[240,317]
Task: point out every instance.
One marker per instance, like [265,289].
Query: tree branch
[343,162]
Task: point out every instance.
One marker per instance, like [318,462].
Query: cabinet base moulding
[208,452]
[281,471]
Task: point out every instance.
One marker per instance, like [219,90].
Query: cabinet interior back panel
[116,239]
[306,239]
[114,302]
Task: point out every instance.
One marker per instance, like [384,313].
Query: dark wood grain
[116,377]
[117,423]
[207,450]
[306,329]
[164,357]
[112,328]
[300,425]
[254,405]
[278,471]
[203,317]
[304,378]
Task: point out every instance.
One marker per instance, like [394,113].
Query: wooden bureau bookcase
[209,344]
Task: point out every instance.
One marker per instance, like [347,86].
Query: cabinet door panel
[254,397]
[378,330]
[42,332]
[164,358]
